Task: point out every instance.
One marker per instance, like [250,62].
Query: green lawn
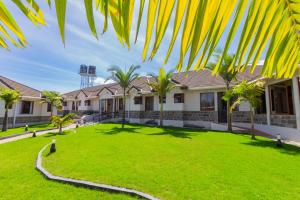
[179,163]
[168,163]
[19,130]
[19,180]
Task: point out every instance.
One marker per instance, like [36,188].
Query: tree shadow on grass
[286,149]
[179,132]
[55,134]
[116,130]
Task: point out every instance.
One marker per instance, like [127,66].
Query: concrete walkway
[19,137]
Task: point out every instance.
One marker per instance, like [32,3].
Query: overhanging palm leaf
[270,26]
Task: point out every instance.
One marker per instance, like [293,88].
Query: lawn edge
[87,184]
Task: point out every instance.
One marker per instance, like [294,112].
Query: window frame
[87,102]
[49,107]
[120,106]
[164,100]
[138,100]
[207,108]
[30,111]
[178,98]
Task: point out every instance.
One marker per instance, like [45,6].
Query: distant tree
[162,85]
[228,75]
[9,97]
[249,92]
[60,121]
[53,98]
[124,79]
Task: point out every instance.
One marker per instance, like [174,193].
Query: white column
[268,107]
[113,114]
[128,113]
[216,100]
[15,114]
[100,110]
[296,100]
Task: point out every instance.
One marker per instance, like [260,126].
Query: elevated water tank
[92,70]
[83,69]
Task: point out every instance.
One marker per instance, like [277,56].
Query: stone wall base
[21,121]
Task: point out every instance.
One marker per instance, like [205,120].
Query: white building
[195,101]
[29,109]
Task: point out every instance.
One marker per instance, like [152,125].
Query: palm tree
[267,26]
[250,92]
[228,75]
[53,98]
[162,85]
[124,79]
[9,97]
[60,121]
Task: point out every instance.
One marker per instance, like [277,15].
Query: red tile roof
[191,79]
[23,89]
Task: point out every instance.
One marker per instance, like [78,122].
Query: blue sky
[47,65]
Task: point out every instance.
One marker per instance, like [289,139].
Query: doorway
[222,108]
[149,101]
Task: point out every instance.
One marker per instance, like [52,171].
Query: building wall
[39,109]
[189,114]
[39,114]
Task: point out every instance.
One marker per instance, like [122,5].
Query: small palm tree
[60,121]
[162,85]
[124,79]
[250,92]
[9,97]
[53,98]
[228,75]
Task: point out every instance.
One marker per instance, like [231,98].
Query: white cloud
[101,81]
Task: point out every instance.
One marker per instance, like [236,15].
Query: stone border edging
[87,184]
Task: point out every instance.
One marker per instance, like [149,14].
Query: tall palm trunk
[5,120]
[228,112]
[60,129]
[124,106]
[161,113]
[252,123]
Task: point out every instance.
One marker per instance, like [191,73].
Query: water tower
[88,75]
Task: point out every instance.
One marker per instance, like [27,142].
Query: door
[110,105]
[222,108]
[149,103]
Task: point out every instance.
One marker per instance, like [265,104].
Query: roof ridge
[17,83]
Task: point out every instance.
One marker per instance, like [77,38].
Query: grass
[19,130]
[169,163]
[174,163]
[19,180]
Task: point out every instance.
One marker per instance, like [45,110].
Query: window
[10,106]
[87,102]
[163,99]
[179,98]
[65,103]
[120,104]
[26,107]
[207,102]
[261,109]
[138,100]
[49,107]
[78,103]
[281,98]
[149,103]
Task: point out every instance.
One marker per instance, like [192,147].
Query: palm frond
[271,26]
